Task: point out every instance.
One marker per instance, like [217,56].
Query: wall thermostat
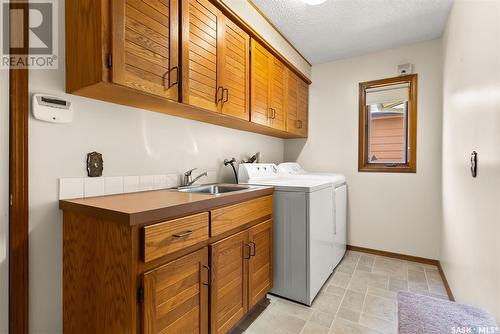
[52,109]
[405,69]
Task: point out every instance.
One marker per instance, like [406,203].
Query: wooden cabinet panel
[260,82]
[297,104]
[277,99]
[303,107]
[260,268]
[200,47]
[229,282]
[268,88]
[231,217]
[235,70]
[145,46]
[173,235]
[176,296]
[292,102]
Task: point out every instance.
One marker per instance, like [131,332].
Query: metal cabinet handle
[217,99]
[253,248]
[272,113]
[176,76]
[224,100]
[209,275]
[249,252]
[183,234]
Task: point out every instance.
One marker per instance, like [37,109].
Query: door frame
[18,186]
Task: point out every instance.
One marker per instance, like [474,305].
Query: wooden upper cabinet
[303,108]
[268,88]
[297,105]
[229,283]
[277,100]
[145,46]
[260,269]
[200,49]
[260,83]
[153,54]
[176,296]
[234,56]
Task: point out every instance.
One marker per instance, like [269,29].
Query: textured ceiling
[345,28]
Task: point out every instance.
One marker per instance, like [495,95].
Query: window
[388,125]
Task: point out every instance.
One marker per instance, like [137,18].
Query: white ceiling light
[314,2]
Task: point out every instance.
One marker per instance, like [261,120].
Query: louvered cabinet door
[235,70]
[200,36]
[292,102]
[277,99]
[145,46]
[260,268]
[260,83]
[176,296]
[229,283]
[303,107]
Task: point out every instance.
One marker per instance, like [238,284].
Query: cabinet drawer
[170,236]
[230,217]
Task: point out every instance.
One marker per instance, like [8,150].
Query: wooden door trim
[18,188]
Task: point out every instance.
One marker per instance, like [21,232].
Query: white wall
[245,10]
[471,121]
[133,142]
[392,212]
[4,199]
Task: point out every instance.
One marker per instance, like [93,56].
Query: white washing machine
[293,169]
[303,244]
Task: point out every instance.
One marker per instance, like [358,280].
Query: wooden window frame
[363,164]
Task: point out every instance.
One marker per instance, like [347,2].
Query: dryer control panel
[259,170]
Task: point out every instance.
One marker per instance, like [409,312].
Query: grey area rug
[419,314]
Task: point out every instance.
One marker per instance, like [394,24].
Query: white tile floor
[359,298]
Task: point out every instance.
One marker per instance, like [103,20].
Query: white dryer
[302,233]
[293,169]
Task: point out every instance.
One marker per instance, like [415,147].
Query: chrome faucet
[188,178]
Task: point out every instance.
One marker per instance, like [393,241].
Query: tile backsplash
[70,188]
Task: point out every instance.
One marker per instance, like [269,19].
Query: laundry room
[250,166]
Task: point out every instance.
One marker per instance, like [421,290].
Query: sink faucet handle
[189,172]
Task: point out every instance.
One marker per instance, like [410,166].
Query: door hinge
[11,200]
[109,60]
[140,295]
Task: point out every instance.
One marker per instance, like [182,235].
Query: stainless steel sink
[213,189]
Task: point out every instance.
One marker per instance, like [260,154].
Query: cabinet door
[234,53]
[261,79]
[303,107]
[200,40]
[260,268]
[229,289]
[145,46]
[176,296]
[277,98]
[292,102]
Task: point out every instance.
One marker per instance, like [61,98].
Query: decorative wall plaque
[94,164]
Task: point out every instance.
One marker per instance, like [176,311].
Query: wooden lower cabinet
[229,296]
[241,275]
[176,296]
[260,266]
[200,273]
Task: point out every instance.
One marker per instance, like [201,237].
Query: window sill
[384,169]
